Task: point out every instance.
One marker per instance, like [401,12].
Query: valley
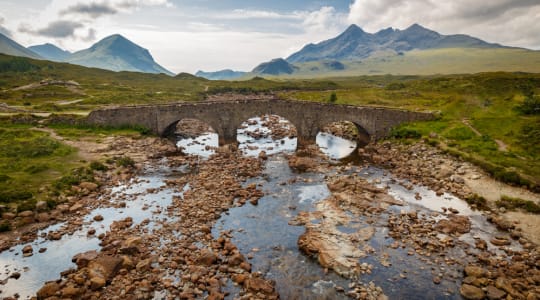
[398,164]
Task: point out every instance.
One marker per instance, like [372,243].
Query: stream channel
[262,232]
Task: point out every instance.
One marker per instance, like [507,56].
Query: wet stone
[471,292]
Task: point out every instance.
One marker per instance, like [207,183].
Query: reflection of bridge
[226,117]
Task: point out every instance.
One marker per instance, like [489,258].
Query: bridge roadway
[225,117]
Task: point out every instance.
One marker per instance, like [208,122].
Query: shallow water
[263,230]
[203,145]
[41,267]
[252,147]
[335,147]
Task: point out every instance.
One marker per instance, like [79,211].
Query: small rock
[471,292]
[144,265]
[15,275]
[26,213]
[207,258]
[499,241]
[8,216]
[42,206]
[97,283]
[494,293]
[27,249]
[474,271]
[48,290]
[90,186]
[98,218]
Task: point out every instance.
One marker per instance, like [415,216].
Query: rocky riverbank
[176,255]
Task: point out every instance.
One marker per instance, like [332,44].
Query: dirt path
[493,190]
[502,146]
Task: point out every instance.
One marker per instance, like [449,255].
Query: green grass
[490,101]
[518,203]
[501,106]
[428,62]
[30,159]
[98,87]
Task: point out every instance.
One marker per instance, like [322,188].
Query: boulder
[90,186]
[206,258]
[494,293]
[48,290]
[471,292]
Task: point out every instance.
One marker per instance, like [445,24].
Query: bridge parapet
[227,116]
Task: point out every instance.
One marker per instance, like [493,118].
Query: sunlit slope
[429,62]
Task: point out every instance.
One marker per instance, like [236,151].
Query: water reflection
[203,145]
[255,136]
[41,267]
[335,147]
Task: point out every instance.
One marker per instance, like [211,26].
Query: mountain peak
[419,29]
[276,66]
[10,47]
[51,52]
[117,53]
[353,30]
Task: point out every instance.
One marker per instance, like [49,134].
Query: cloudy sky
[188,35]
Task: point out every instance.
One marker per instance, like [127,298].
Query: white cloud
[509,22]
[326,19]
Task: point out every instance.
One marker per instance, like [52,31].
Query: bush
[77,176]
[405,133]
[513,203]
[478,201]
[5,226]
[98,166]
[125,161]
[531,106]
[7,196]
[26,205]
[332,98]
[394,86]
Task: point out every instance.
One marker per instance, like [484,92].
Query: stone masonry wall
[226,117]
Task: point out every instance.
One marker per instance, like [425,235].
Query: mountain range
[412,51]
[415,50]
[115,53]
[226,74]
[355,44]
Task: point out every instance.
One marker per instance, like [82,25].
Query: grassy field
[34,166]
[29,160]
[20,88]
[489,102]
[432,61]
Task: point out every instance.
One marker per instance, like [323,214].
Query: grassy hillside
[433,61]
[492,103]
[20,78]
[489,102]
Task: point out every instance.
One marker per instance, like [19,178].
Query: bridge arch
[225,117]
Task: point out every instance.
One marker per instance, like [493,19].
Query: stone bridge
[227,116]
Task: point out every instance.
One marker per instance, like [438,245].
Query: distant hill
[10,47]
[226,74]
[116,53]
[355,44]
[274,67]
[50,52]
